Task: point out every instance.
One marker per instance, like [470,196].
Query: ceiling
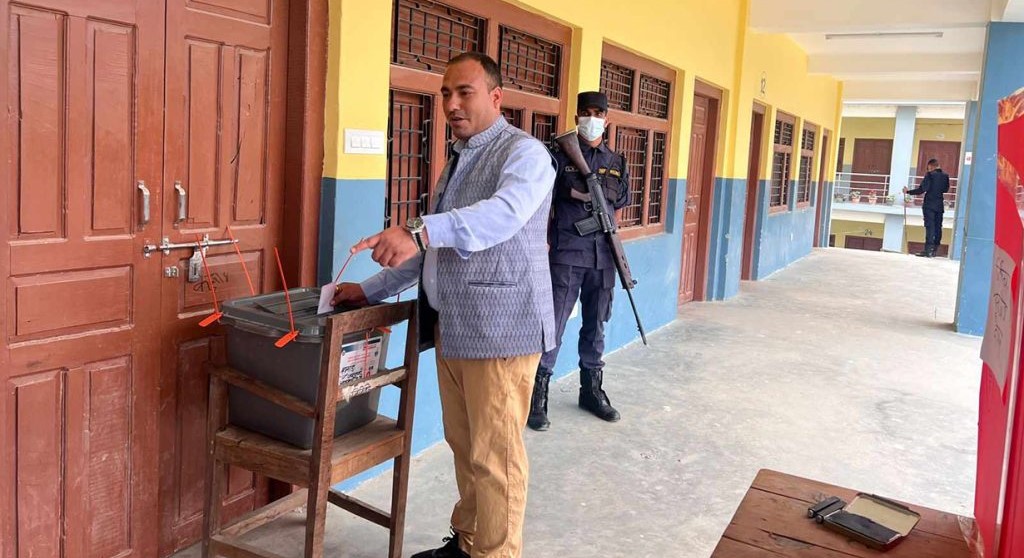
[891,51]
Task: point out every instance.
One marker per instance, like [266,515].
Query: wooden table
[772,522]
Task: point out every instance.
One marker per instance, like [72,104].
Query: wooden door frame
[305,128]
[702,261]
[308,32]
[753,192]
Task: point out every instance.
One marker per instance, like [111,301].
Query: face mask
[590,127]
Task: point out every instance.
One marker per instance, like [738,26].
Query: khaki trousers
[484,405]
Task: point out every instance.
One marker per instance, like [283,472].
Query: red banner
[1000,485]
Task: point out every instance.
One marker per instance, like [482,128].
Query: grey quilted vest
[497,302]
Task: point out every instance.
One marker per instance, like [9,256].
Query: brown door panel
[225,80]
[80,345]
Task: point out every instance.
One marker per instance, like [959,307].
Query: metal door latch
[195,265]
[166,246]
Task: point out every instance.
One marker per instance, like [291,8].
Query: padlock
[195,267]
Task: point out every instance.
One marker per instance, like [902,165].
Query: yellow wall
[787,87]
[855,228]
[700,40]
[358,73]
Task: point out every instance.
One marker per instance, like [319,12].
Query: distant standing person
[934,185]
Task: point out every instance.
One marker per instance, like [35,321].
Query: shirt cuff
[440,230]
[374,289]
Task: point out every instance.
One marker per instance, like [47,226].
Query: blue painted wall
[353,209]
[725,257]
[960,213]
[783,237]
[1003,74]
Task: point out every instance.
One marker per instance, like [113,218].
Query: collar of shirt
[601,147]
[483,138]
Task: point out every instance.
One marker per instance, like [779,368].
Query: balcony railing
[877,189]
[948,199]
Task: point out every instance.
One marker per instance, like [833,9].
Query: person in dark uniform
[933,186]
[582,266]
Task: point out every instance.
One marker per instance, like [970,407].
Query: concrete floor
[843,368]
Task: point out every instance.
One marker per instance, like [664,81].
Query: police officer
[934,184]
[582,266]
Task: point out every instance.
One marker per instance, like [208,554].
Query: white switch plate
[365,142]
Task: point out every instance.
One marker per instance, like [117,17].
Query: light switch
[365,142]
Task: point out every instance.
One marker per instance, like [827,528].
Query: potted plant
[889,200]
[838,197]
[855,196]
[872,197]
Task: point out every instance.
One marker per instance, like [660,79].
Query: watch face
[414,223]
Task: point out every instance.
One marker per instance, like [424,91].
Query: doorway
[872,159]
[753,189]
[144,122]
[699,190]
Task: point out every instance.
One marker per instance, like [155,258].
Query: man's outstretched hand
[391,248]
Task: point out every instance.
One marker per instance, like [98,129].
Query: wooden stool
[330,460]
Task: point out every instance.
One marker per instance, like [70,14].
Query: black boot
[539,404]
[593,398]
[449,550]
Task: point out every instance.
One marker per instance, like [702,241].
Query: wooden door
[947,152]
[224,145]
[693,272]
[819,214]
[79,360]
[753,189]
[870,157]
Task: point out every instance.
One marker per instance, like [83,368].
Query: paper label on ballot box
[360,360]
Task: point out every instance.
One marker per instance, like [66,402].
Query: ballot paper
[326,294]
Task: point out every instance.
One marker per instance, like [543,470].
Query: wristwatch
[415,226]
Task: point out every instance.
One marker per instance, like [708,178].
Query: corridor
[843,368]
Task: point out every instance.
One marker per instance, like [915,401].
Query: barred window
[782,161]
[654,96]
[632,143]
[804,185]
[529,63]
[409,142]
[617,84]
[640,97]
[428,34]
[531,52]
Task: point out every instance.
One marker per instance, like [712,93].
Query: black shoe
[923,254]
[593,398]
[538,419]
[449,550]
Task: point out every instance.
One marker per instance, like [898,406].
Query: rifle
[600,219]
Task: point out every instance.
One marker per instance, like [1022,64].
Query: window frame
[651,125]
[811,154]
[777,148]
